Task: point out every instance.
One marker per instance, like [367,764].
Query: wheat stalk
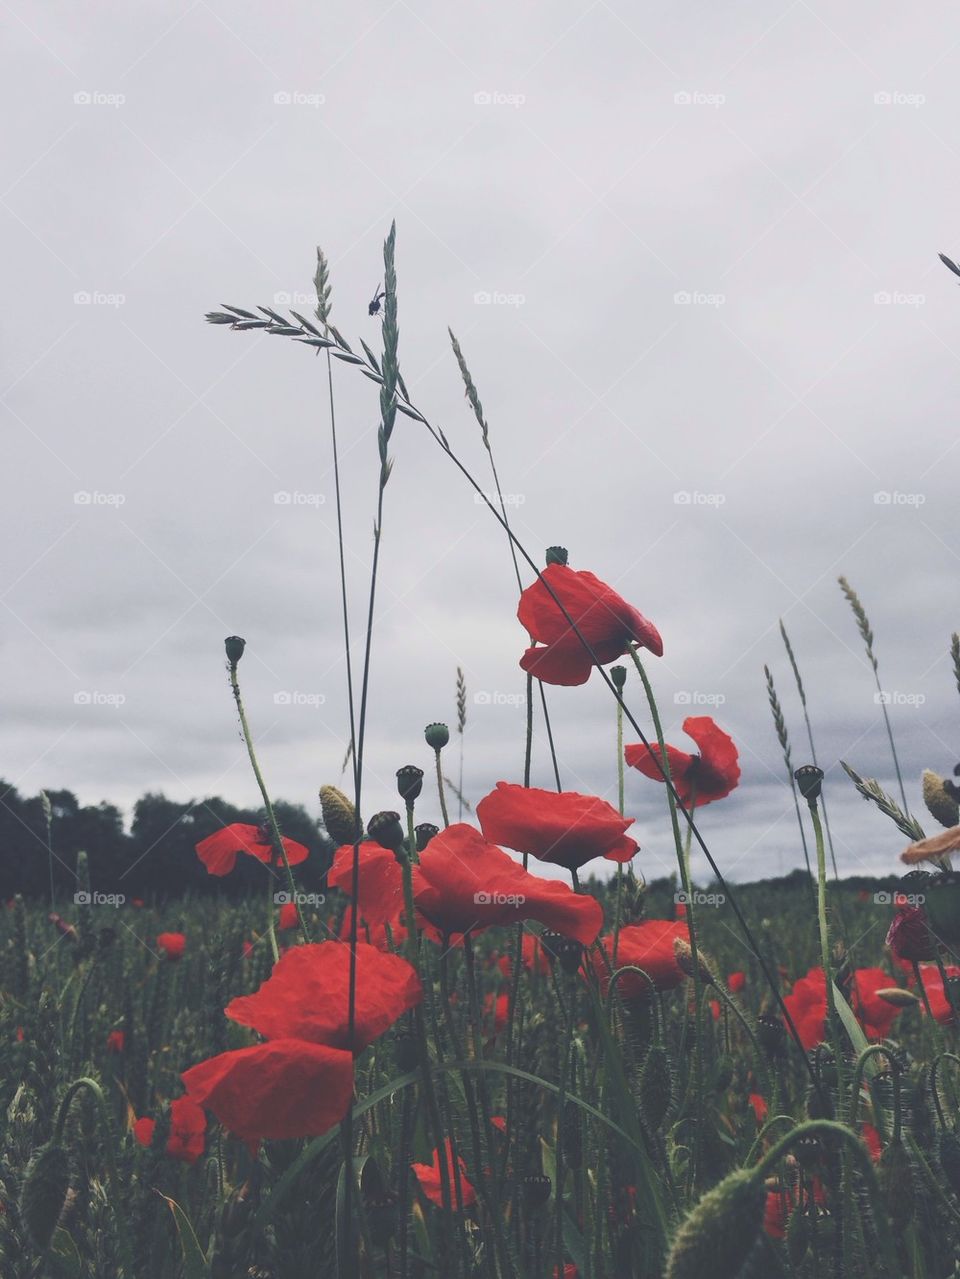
[780,725]
[871,789]
[955,657]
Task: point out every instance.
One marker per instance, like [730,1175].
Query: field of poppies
[442,1062]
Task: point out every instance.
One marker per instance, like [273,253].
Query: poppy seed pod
[771,1034]
[556,555]
[618,675]
[339,815]
[565,951]
[536,1191]
[44,1193]
[383,1217]
[716,1237]
[809,780]
[385,829]
[409,783]
[424,833]
[234,646]
[437,736]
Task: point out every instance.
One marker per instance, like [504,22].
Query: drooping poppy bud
[43,1194]
[656,1087]
[716,1237]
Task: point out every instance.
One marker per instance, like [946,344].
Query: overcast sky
[689,251]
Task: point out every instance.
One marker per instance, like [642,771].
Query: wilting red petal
[381,881]
[464,884]
[116,1041]
[307,995]
[909,935]
[605,620]
[760,1107]
[172,944]
[567,829]
[706,777]
[275,1091]
[188,1127]
[933,985]
[218,851]
[429,1177]
[647,945]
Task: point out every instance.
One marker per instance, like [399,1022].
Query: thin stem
[440,789]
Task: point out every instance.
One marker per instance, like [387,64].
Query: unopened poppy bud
[618,674]
[437,736]
[656,1087]
[898,997]
[809,779]
[339,815]
[43,1194]
[234,646]
[536,1191]
[409,782]
[807,1149]
[382,1216]
[565,951]
[386,830]
[683,954]
[424,833]
[948,1151]
[896,1182]
[940,797]
[556,555]
[405,1050]
[717,1236]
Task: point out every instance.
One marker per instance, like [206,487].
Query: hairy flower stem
[825,936]
[440,789]
[276,839]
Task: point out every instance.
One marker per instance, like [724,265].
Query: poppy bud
[536,1191]
[565,951]
[809,779]
[716,1237]
[808,1151]
[942,906]
[618,674]
[898,997]
[424,833]
[896,1182]
[234,646]
[43,1194]
[339,815]
[771,1034]
[437,736]
[684,956]
[385,829]
[382,1216]
[409,783]
[940,797]
[948,1151]
[656,1087]
[405,1051]
[556,555]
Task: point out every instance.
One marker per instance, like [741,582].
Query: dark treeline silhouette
[156,858]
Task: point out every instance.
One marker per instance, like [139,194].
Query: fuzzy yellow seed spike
[684,957]
[339,815]
[940,804]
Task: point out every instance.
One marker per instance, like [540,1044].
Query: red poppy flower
[567,829]
[429,1177]
[138,902]
[288,916]
[647,945]
[909,935]
[760,1107]
[307,995]
[188,1127]
[607,622]
[218,851]
[781,1203]
[496,1009]
[876,1015]
[116,1041]
[715,1009]
[499,1122]
[710,775]
[807,1004]
[380,881]
[936,995]
[172,944]
[534,958]
[374,934]
[279,1090]
[463,884]
[247,949]
[736,982]
[871,1139]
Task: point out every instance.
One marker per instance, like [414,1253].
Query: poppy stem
[918,977]
[440,788]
